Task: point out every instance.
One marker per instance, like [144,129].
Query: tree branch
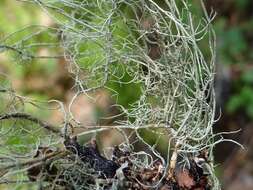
[24,116]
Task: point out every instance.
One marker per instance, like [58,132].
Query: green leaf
[234,103]
[247,76]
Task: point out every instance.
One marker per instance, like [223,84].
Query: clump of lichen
[157,45]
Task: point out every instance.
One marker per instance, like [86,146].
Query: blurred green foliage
[234,26]
[15,16]
[242,100]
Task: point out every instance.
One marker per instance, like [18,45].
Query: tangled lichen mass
[155,46]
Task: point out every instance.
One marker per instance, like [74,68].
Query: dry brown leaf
[184,179]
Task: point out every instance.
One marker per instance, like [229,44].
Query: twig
[33,161]
[92,129]
[20,52]
[3,90]
[173,162]
[24,116]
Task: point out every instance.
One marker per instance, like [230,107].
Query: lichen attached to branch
[157,47]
